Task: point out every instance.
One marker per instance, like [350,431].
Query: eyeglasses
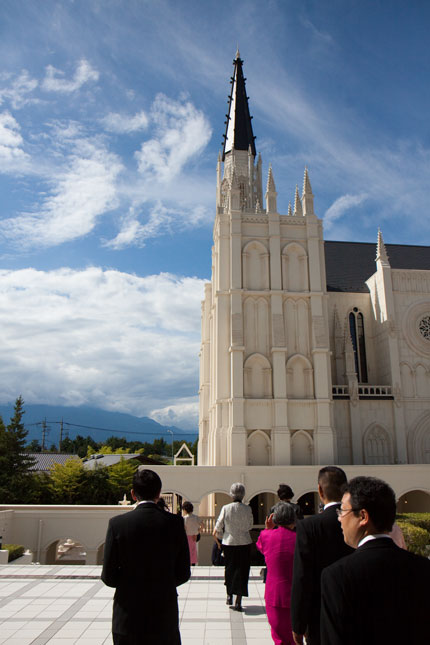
[344,511]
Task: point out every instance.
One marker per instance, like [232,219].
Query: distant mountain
[98,424]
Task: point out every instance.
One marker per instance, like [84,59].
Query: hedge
[15,551]
[417,519]
[417,539]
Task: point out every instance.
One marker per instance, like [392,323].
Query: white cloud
[184,415]
[54,81]
[104,338]
[124,124]
[81,191]
[18,91]
[12,156]
[181,133]
[161,220]
[341,206]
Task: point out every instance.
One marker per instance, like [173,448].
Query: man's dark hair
[187,507]
[146,484]
[285,492]
[332,479]
[377,497]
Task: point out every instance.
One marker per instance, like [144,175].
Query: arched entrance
[66,551]
[309,503]
[415,501]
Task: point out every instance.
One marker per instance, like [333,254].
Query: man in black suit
[319,543]
[379,594]
[146,557]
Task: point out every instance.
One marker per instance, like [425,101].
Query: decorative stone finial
[298,211]
[270,181]
[307,196]
[381,251]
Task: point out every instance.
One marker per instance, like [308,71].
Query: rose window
[424,327]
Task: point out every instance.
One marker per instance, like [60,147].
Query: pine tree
[15,464]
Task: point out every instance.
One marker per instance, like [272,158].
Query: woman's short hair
[187,507]
[283,514]
[237,491]
[285,492]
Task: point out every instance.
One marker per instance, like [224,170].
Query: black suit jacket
[377,596]
[319,543]
[146,557]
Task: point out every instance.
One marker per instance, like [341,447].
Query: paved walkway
[69,605]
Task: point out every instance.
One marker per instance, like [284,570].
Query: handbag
[198,537]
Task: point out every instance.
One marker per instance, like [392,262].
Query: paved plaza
[69,605]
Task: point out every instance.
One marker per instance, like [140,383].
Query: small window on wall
[356,327]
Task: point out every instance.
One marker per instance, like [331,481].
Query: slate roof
[44,460]
[238,132]
[111,460]
[349,264]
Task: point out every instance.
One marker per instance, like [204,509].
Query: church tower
[265,379]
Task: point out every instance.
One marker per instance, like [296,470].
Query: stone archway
[414,501]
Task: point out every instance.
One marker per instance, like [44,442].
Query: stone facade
[293,371]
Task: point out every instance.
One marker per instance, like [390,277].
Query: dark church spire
[238,133]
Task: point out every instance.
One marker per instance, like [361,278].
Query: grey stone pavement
[69,605]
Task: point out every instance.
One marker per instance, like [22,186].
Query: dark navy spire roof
[238,132]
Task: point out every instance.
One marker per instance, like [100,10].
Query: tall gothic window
[356,327]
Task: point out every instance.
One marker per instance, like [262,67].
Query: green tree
[39,491]
[121,477]
[33,446]
[96,488]
[66,481]
[116,443]
[15,463]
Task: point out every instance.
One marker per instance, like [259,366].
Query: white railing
[375,390]
[364,390]
[208,522]
[340,390]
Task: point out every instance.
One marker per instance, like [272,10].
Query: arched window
[377,446]
[356,328]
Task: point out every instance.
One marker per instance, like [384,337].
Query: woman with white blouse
[192,529]
[233,526]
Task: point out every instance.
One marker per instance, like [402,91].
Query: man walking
[379,594]
[146,558]
[319,543]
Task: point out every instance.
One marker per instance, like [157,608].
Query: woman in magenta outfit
[277,546]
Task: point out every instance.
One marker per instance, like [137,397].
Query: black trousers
[146,639]
[237,565]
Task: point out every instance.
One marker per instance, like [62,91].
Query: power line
[77,425]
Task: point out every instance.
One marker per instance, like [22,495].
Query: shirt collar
[330,504]
[368,538]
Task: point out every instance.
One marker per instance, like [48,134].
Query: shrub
[417,539]
[15,551]
[417,519]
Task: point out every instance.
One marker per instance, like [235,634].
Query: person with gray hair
[232,527]
[278,550]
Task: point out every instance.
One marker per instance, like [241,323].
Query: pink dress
[192,526]
[277,546]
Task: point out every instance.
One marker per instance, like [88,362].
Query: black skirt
[237,564]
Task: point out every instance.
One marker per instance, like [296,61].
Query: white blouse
[192,524]
[234,523]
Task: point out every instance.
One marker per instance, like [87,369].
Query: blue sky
[111,119]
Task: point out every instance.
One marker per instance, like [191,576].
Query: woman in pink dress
[192,529]
[277,546]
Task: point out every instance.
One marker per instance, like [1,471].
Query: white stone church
[312,352]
